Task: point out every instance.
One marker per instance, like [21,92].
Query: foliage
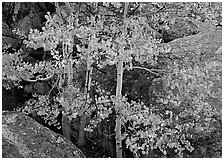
[9,69]
[105,46]
[165,15]
[193,84]
[73,102]
[16,70]
[184,110]
[190,88]
[45,107]
[182,142]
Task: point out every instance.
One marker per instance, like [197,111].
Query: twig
[54,85]
[58,9]
[133,11]
[109,135]
[68,5]
[149,70]
[159,70]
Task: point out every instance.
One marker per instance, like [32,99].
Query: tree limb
[149,70]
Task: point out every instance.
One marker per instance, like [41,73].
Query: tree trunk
[118,137]
[66,130]
[84,117]
[82,138]
[118,107]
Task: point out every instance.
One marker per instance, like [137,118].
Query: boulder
[195,48]
[32,21]
[6,31]
[9,100]
[23,137]
[8,37]
[203,50]
[38,87]
[205,43]
[181,28]
[12,12]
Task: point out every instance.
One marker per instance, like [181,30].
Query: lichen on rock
[23,137]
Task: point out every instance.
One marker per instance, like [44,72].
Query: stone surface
[206,43]
[8,37]
[32,21]
[23,137]
[181,28]
[38,87]
[9,99]
[202,49]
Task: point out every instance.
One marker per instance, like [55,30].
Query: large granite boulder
[202,50]
[205,43]
[9,100]
[32,21]
[23,137]
[9,39]
[181,28]
[200,56]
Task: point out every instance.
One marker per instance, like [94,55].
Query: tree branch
[149,70]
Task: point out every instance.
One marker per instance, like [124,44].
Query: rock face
[23,137]
[8,37]
[9,100]
[180,29]
[206,44]
[32,21]
[202,49]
